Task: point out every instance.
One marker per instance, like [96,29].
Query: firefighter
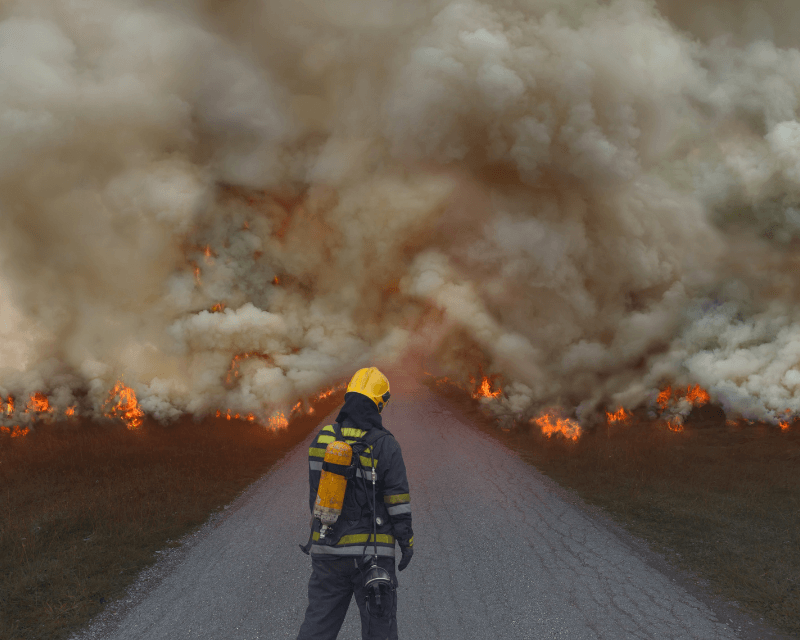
[345,556]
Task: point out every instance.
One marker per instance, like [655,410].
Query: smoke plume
[228,205]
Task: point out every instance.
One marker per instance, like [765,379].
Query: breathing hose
[374,506]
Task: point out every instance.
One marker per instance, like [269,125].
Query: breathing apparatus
[336,470]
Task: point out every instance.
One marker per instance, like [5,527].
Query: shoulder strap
[370,438]
[348,472]
[373,435]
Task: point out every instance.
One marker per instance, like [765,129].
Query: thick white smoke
[591,199]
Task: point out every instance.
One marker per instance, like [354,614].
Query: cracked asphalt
[498,553]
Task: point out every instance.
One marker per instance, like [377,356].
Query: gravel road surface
[498,553]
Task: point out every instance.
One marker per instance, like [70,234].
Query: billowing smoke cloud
[227,205]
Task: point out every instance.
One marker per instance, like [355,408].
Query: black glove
[408,553]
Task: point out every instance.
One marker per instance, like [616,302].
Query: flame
[196,271]
[233,371]
[278,421]
[663,398]
[217,308]
[697,395]
[550,424]
[230,415]
[784,425]
[484,389]
[620,415]
[126,407]
[694,394]
[39,403]
[675,423]
[320,396]
[15,431]
[740,422]
[276,280]
[325,394]
[70,411]
[209,255]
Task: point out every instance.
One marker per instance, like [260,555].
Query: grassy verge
[84,507]
[722,502]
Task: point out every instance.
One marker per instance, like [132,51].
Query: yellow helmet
[371,383]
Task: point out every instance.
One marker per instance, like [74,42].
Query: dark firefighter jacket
[352,533]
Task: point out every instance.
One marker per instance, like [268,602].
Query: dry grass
[84,507]
[723,502]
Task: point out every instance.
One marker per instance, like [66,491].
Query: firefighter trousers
[333,583]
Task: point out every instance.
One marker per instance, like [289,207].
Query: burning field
[585,215]
[222,207]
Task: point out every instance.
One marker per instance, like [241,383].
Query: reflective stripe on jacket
[352,533]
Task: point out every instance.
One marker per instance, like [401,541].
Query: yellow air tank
[332,484]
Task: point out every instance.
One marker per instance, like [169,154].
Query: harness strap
[307,547]
[348,471]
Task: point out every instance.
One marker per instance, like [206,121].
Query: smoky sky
[590,200]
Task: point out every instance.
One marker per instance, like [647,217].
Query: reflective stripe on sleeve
[326,439]
[397,499]
[329,428]
[316,452]
[398,509]
[315,465]
[353,432]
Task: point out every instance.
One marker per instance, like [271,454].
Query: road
[498,553]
